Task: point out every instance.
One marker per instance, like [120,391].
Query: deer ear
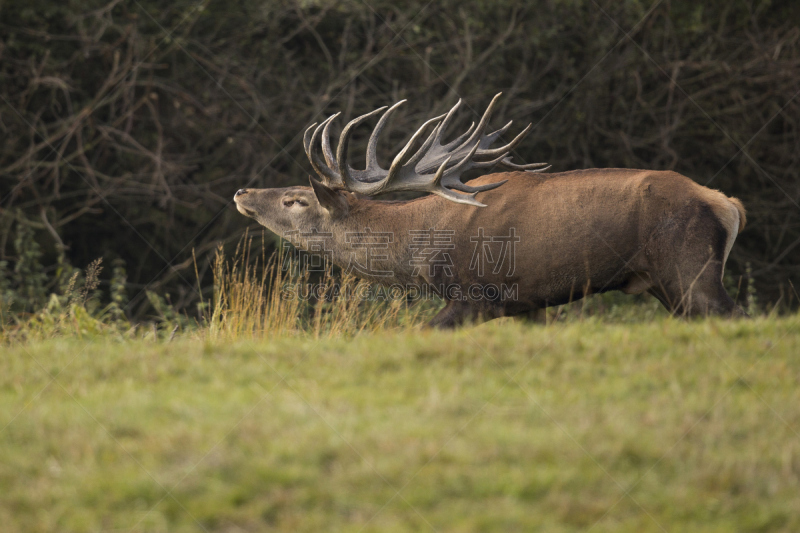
[328,198]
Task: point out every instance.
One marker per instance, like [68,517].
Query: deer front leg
[454,314]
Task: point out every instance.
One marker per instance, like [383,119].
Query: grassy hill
[588,426]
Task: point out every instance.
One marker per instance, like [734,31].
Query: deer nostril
[240,192]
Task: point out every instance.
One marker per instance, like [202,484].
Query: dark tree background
[128,125]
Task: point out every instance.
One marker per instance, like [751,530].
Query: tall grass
[257,296]
[73,309]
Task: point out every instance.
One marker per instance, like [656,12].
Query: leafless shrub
[127,127]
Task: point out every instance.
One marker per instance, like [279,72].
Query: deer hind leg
[695,289]
[689,279]
[704,295]
[535,316]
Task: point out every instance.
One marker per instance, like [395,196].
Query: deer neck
[374,240]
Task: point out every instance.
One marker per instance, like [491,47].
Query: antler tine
[460,198]
[510,146]
[458,168]
[438,189]
[326,146]
[437,178]
[507,164]
[503,161]
[307,137]
[428,142]
[463,144]
[446,122]
[329,177]
[452,177]
[491,137]
[481,125]
[458,185]
[460,139]
[468,162]
[435,151]
[372,145]
[350,183]
[402,159]
[479,188]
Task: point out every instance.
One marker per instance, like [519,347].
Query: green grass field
[589,426]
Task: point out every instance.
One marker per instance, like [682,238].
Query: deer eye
[289,202]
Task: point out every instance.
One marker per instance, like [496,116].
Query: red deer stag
[510,243]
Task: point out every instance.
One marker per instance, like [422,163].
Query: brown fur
[580,232]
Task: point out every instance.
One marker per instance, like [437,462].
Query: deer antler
[433,168]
